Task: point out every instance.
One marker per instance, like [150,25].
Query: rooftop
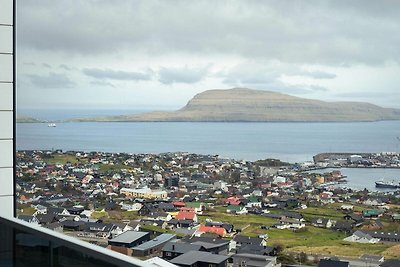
[129,237]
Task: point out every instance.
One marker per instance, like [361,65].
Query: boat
[51,125]
[383,184]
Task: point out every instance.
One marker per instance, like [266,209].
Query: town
[183,209]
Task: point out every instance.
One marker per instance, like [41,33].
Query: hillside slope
[241,104]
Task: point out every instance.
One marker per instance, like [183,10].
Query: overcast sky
[158,54]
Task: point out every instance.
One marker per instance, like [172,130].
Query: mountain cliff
[241,104]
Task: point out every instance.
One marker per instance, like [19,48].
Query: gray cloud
[52,80]
[318,74]
[117,74]
[181,75]
[102,83]
[65,67]
[314,32]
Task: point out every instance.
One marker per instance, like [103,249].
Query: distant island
[247,105]
[26,119]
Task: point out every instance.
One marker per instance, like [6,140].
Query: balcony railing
[24,244]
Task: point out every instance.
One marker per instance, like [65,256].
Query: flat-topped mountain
[241,104]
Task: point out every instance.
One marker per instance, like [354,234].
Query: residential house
[233,201]
[373,213]
[147,209]
[152,246]
[98,230]
[145,193]
[186,215]
[286,223]
[347,207]
[130,239]
[29,218]
[166,207]
[180,223]
[212,245]
[356,219]
[159,216]
[55,226]
[252,260]
[198,207]
[236,209]
[73,225]
[361,237]
[384,236]
[131,206]
[372,258]
[174,249]
[158,262]
[390,263]
[220,231]
[47,218]
[257,249]
[321,222]
[241,240]
[333,263]
[200,259]
[343,226]
[120,228]
[293,215]
[227,226]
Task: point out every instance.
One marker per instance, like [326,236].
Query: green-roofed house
[236,209]
[374,213]
[253,201]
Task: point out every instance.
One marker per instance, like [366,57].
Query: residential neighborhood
[203,210]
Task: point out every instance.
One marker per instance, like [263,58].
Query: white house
[361,237]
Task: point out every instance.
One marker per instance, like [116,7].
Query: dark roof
[54,210]
[390,263]
[332,263]
[248,239]
[71,223]
[26,218]
[371,257]
[255,249]
[54,225]
[294,215]
[181,247]
[382,234]
[251,259]
[192,257]
[95,226]
[206,242]
[129,237]
[343,225]
[166,206]
[46,218]
[159,240]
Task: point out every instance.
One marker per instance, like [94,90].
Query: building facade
[7,107]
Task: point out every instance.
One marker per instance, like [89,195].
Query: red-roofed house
[187,209]
[211,229]
[179,204]
[186,215]
[232,201]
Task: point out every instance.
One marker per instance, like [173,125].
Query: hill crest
[243,104]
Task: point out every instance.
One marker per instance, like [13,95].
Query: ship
[383,184]
[51,125]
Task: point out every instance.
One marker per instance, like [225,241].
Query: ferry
[51,125]
[383,184]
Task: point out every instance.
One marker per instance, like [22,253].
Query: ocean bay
[293,142]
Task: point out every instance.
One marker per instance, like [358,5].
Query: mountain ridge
[249,105]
